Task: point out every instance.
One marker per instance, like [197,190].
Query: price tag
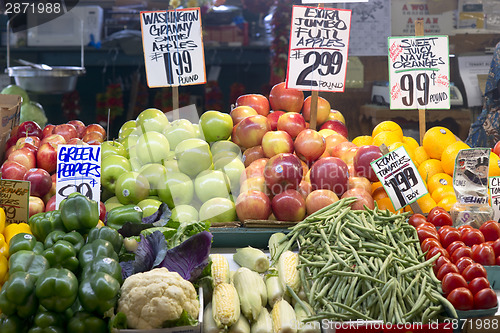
[319,41]
[419,72]
[14,199]
[78,170]
[495,196]
[400,177]
[173,47]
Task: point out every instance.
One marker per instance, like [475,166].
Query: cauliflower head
[151,298]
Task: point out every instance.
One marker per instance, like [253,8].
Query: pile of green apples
[193,168]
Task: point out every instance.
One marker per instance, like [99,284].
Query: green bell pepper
[118,216]
[12,324]
[74,237]
[99,247]
[57,289]
[107,233]
[84,322]
[29,262]
[22,241]
[17,296]
[105,265]
[62,255]
[79,212]
[42,224]
[48,322]
[98,292]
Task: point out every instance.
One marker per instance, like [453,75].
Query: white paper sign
[495,196]
[419,72]
[78,170]
[173,47]
[400,178]
[319,43]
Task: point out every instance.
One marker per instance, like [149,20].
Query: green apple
[197,131]
[156,174]
[218,210]
[184,214]
[113,199]
[135,163]
[111,168]
[193,156]
[224,146]
[233,168]
[112,148]
[149,206]
[171,165]
[126,129]
[225,155]
[211,184]
[152,147]
[170,155]
[112,203]
[178,189]
[152,120]
[215,125]
[131,187]
[13,89]
[179,130]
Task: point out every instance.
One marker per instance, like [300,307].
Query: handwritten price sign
[400,178]
[419,72]
[495,196]
[319,42]
[14,199]
[173,47]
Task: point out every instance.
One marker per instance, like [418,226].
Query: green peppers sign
[78,170]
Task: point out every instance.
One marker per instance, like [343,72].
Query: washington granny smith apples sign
[419,72]
[319,42]
[14,199]
[400,177]
[173,47]
[78,170]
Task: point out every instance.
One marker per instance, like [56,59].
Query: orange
[442,191]
[437,180]
[450,154]
[386,137]
[362,140]
[410,151]
[411,142]
[447,202]
[436,139]
[386,203]
[376,185]
[429,168]
[420,156]
[388,126]
[494,168]
[379,193]
[426,203]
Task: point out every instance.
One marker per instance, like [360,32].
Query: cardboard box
[10,111]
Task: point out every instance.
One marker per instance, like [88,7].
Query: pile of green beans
[366,264]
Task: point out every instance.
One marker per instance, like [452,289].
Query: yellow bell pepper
[4,248]
[4,269]
[2,220]
[100,224]
[15,228]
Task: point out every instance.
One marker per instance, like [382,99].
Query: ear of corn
[264,323]
[252,258]
[283,317]
[220,269]
[276,245]
[301,313]
[274,289]
[288,272]
[225,305]
[261,285]
[247,284]
[209,325]
[241,326]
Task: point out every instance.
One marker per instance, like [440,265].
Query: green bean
[421,265]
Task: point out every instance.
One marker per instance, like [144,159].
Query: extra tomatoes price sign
[173,47]
[495,196]
[319,40]
[400,178]
[14,199]
[419,72]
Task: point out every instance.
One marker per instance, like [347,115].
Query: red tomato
[496,247]
[463,251]
[461,298]
[453,246]
[417,219]
[440,262]
[445,228]
[429,243]
[463,262]
[477,284]
[464,227]
[483,254]
[452,281]
[485,299]
[490,230]
[473,271]
[472,236]
[449,236]
[435,250]
[445,269]
[439,217]
[424,232]
[497,261]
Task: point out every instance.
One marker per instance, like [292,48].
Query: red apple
[77,141]
[40,181]
[341,149]
[273,119]
[329,173]
[79,125]
[349,154]
[27,146]
[50,193]
[282,172]
[335,125]
[253,205]
[24,156]
[304,188]
[51,204]
[252,154]
[53,138]
[13,170]
[363,198]
[102,211]
[333,140]
[36,205]
[496,148]
[32,140]
[257,183]
[241,112]
[11,141]
[251,130]
[29,128]
[258,102]
[291,122]
[48,130]
[46,158]
[276,142]
[286,99]
[358,181]
[234,137]
[67,131]
[289,205]
[322,111]
[8,152]
[94,128]
[14,134]
[309,145]
[93,138]
[318,199]
[256,168]
[364,156]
